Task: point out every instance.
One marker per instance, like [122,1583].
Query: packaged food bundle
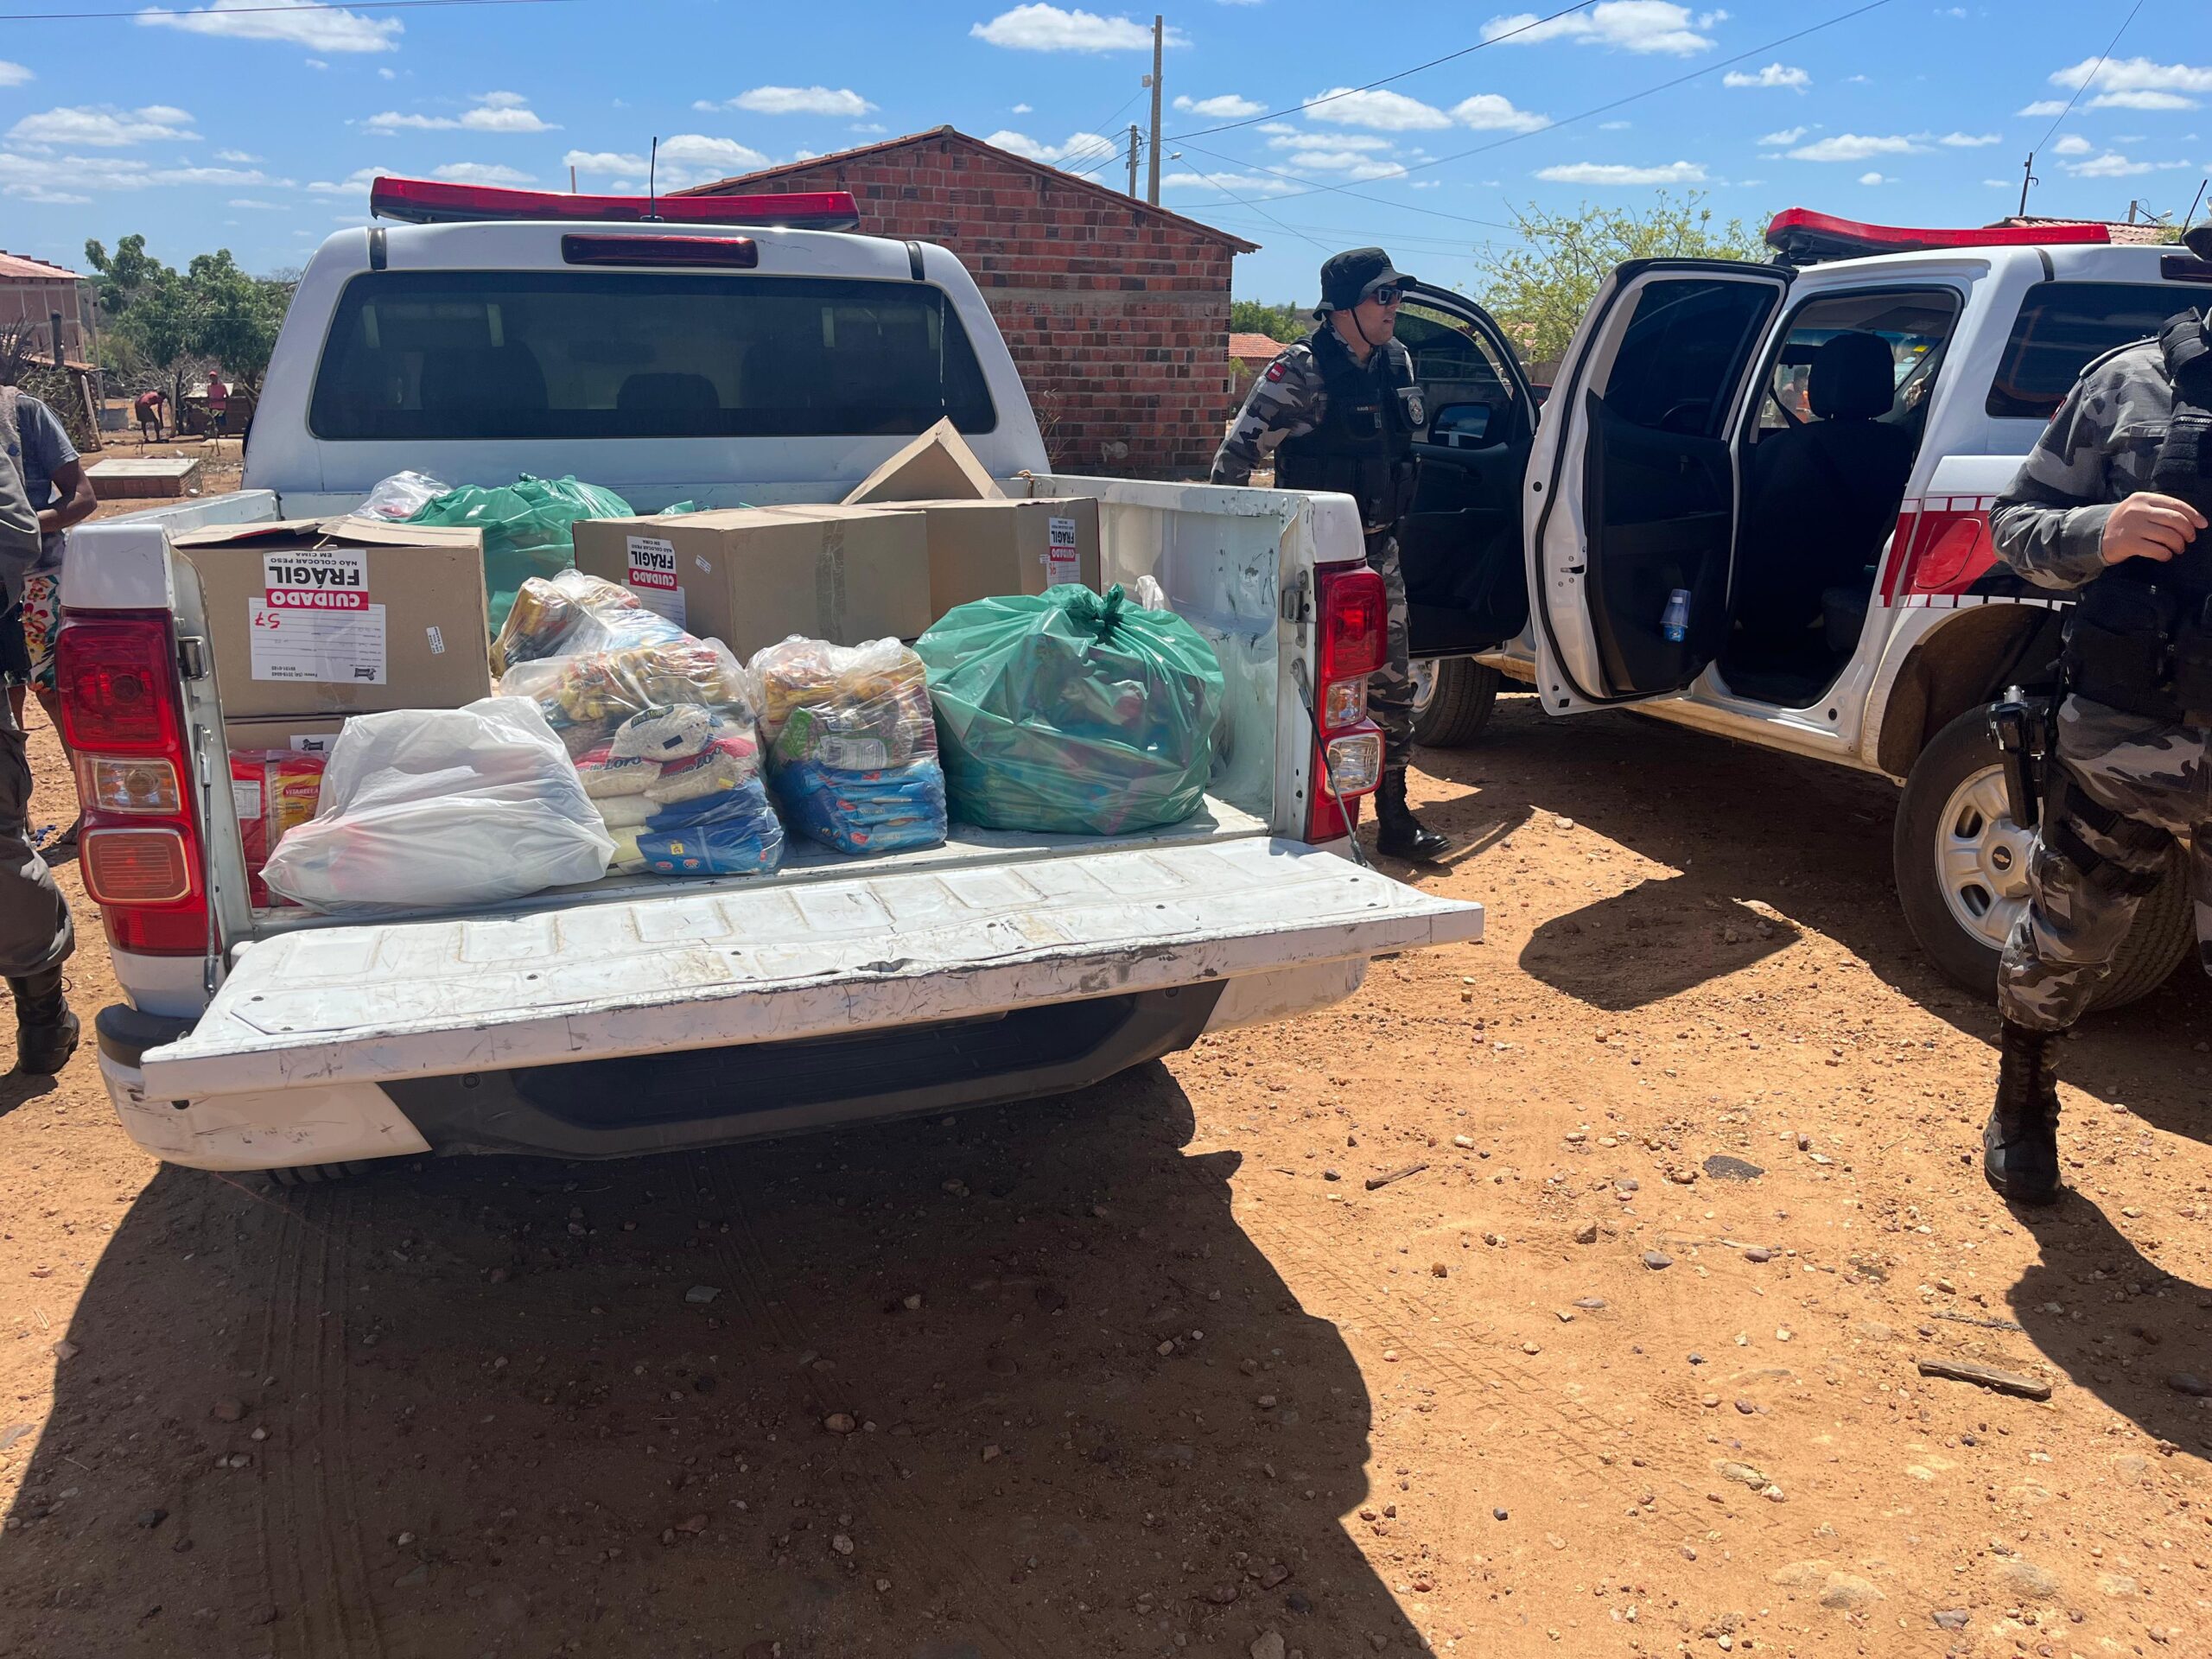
[680,792]
[423,808]
[528,525]
[586,696]
[275,792]
[1071,711]
[570,614]
[852,744]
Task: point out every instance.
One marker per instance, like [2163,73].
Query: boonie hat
[1348,278]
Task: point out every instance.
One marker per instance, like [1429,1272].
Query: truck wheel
[1961,868]
[318,1174]
[1452,700]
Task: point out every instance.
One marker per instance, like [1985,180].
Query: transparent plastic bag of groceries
[401,496]
[585,695]
[852,744]
[528,528]
[570,613]
[1072,712]
[429,809]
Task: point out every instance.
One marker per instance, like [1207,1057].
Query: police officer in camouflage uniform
[2114,501]
[1338,410]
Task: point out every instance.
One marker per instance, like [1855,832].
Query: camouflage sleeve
[1285,401]
[2048,524]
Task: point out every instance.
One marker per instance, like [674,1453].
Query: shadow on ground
[494,1405]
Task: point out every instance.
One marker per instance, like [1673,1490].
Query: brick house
[1117,313]
[32,292]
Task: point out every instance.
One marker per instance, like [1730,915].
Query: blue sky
[256,129]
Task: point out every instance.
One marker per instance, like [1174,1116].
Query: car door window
[1682,354]
[1459,371]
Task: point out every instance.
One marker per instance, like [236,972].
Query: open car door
[1632,490]
[1459,544]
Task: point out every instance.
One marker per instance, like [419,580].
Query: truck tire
[1961,866]
[318,1174]
[1452,700]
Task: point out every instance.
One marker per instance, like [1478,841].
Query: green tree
[175,323]
[1281,323]
[1538,290]
[236,316]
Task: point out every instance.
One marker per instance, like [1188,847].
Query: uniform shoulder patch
[1275,370]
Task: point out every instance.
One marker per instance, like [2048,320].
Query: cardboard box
[753,576]
[342,616]
[938,466]
[985,549]
[303,734]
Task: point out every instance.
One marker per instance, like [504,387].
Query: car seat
[1820,498]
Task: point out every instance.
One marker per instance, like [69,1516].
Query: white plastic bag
[424,808]
[401,496]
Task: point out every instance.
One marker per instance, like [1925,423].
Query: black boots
[46,1031]
[1398,834]
[2019,1144]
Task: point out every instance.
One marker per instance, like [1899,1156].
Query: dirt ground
[1628,1368]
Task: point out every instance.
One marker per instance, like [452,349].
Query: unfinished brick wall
[1116,316]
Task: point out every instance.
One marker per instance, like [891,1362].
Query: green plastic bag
[528,528]
[1070,712]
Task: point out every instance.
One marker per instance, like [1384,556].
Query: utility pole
[2027,178]
[1133,161]
[1152,176]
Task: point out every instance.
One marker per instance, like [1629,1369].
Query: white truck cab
[1807,452]
[722,351]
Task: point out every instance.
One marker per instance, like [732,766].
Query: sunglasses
[1388,295]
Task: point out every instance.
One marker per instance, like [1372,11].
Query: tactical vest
[1363,445]
[2141,637]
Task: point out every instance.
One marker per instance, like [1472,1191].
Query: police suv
[1758,506]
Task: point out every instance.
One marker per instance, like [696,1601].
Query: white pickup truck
[720,352]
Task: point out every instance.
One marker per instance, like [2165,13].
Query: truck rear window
[467,355]
[2063,327]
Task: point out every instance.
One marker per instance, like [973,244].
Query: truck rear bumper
[664,1102]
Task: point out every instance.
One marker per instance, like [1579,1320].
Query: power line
[1493,39]
[253,11]
[2093,73]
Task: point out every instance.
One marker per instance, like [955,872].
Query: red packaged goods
[274,791]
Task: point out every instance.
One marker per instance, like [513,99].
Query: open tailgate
[374,1002]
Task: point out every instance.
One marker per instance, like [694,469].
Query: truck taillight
[1352,627]
[140,848]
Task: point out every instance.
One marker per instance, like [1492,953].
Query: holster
[2020,724]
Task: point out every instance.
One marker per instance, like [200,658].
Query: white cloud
[14,75]
[387,74]
[504,112]
[257,206]
[687,159]
[2141,98]
[1875,178]
[2136,83]
[316,63]
[2072,144]
[1775,74]
[103,125]
[297,22]
[59,179]
[1237,184]
[1304,141]
[1022,108]
[1629,25]
[1787,135]
[1351,155]
[1969,140]
[1615,173]
[804,100]
[1083,147]
[1225,106]
[238,155]
[480,173]
[869,127]
[1386,111]
[1854,147]
[354,183]
[2110,165]
[1049,29]
[1492,113]
[2042,106]
[1615,126]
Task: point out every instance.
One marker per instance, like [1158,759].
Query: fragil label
[1061,562]
[653,562]
[326,579]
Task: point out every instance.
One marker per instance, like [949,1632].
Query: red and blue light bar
[429,202]
[1801,237]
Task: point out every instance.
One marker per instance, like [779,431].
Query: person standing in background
[148,408]
[218,405]
[58,492]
